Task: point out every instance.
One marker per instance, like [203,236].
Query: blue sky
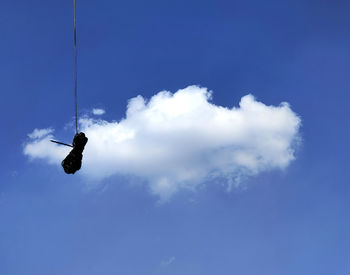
[293,221]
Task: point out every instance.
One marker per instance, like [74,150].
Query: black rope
[75,68]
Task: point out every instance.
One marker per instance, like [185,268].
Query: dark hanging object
[72,162]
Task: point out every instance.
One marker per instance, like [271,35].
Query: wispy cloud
[179,141]
[98,112]
[168,261]
[39,133]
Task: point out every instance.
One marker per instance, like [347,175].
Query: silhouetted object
[72,162]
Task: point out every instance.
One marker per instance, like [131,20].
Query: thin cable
[75,68]
[75,78]
[61,143]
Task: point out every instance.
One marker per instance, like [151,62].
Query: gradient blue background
[285,223]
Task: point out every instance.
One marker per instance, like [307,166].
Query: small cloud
[98,112]
[39,133]
[168,261]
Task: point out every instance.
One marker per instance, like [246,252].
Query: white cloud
[39,133]
[98,112]
[40,147]
[178,141]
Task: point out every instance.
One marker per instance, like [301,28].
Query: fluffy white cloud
[180,140]
[40,147]
[98,112]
